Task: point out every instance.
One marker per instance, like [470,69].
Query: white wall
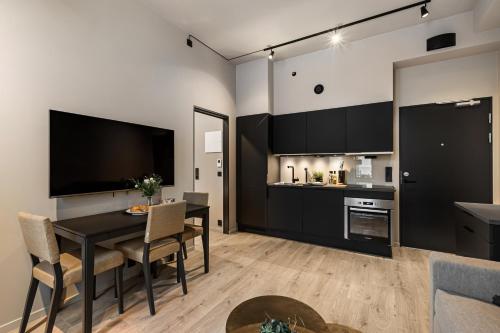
[254,88]
[362,71]
[116,59]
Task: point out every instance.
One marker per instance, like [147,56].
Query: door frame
[225,160]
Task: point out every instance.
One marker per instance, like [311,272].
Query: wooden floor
[368,293]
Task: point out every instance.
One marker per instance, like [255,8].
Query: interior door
[445,156]
[208,158]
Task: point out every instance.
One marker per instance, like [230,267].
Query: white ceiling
[235,27]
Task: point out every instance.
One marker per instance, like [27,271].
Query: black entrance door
[445,156]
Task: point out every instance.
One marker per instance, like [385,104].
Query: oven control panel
[369,203]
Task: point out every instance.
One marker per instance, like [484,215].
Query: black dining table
[89,230]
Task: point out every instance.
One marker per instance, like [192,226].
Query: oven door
[367,224]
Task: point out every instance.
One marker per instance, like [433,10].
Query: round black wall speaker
[318,89]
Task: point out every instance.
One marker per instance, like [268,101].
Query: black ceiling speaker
[318,89]
[442,41]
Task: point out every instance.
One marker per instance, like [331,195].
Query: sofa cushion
[457,314]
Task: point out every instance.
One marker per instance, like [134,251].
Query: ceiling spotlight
[423,11]
[336,38]
[271,55]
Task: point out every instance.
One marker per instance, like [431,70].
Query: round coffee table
[249,315]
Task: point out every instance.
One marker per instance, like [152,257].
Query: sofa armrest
[473,278]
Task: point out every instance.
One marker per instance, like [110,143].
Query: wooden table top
[99,224]
[249,315]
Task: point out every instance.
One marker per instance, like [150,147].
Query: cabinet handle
[468,229]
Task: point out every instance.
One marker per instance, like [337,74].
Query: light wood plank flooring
[368,293]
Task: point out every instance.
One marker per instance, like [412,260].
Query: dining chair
[192,230]
[163,238]
[59,270]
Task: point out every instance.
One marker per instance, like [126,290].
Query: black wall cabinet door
[289,133]
[369,128]
[323,213]
[252,148]
[285,209]
[326,131]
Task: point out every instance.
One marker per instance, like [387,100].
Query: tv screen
[89,154]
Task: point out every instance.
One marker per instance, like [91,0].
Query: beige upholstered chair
[59,270]
[192,230]
[163,238]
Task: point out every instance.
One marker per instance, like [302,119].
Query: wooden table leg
[205,240]
[88,248]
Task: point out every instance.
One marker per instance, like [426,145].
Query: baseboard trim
[7,327]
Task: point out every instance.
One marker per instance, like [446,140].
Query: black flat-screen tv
[89,154]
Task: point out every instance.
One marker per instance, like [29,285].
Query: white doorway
[210,169]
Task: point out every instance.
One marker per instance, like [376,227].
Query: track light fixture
[423,11]
[335,39]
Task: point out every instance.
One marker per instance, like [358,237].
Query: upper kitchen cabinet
[370,128]
[326,131]
[289,133]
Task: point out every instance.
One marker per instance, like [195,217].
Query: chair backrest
[196,198]
[39,237]
[165,220]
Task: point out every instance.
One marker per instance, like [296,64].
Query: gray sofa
[461,294]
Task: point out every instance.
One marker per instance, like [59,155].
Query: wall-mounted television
[90,155]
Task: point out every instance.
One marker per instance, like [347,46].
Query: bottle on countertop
[335,178]
[330,178]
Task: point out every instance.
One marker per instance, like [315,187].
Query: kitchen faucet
[293,174]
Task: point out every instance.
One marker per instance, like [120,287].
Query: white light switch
[219,163]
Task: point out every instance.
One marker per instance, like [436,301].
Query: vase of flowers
[148,186]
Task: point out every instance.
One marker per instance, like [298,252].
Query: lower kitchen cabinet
[323,213]
[476,238]
[284,209]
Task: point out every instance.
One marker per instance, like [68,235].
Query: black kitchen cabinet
[289,133]
[285,209]
[323,214]
[253,145]
[370,128]
[475,238]
[326,131]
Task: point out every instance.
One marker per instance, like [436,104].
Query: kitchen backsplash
[331,163]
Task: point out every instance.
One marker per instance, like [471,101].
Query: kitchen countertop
[488,213]
[375,188]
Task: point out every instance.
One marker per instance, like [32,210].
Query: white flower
[136,186]
[151,179]
[146,181]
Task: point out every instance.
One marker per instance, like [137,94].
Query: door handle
[197,173]
[404,179]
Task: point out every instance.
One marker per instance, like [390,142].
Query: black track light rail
[343,26]
[208,47]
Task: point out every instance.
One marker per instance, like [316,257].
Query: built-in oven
[368,219]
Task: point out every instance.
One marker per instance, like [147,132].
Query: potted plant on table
[149,186]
